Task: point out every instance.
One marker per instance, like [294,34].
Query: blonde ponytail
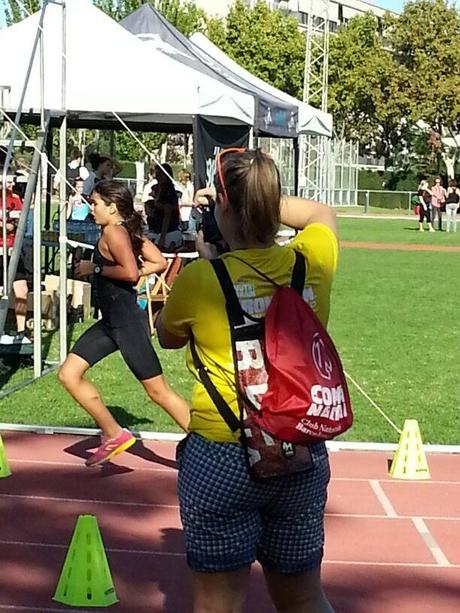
[253,187]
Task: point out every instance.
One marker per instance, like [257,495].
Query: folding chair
[153,290]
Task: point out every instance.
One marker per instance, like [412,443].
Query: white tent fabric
[311,120]
[273,116]
[108,70]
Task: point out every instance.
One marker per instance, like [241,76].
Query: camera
[208,224]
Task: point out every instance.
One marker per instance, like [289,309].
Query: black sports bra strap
[298,273]
[234,311]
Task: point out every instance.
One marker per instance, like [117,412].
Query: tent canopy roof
[275,114]
[311,120]
[110,71]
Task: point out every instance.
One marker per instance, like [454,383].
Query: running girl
[120,257]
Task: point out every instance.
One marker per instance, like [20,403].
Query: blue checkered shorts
[230,520]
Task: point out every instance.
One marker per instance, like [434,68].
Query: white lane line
[174,470]
[143,552]
[382,498]
[396,482]
[182,555]
[154,505]
[389,564]
[430,542]
[91,501]
[92,471]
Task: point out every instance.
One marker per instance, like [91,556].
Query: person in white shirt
[185,186]
[149,185]
[75,170]
[102,166]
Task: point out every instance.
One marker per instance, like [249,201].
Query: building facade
[340,11]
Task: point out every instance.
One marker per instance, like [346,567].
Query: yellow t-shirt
[196,305]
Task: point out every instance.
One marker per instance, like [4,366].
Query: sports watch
[97,270]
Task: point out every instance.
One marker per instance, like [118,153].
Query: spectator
[149,185]
[78,208]
[102,166]
[185,186]
[162,211]
[75,170]
[437,202]
[452,202]
[21,178]
[424,196]
[23,273]
[229,519]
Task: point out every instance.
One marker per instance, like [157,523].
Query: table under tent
[112,82]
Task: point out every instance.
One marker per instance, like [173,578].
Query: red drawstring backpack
[289,379]
[307,396]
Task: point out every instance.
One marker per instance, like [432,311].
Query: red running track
[391,546]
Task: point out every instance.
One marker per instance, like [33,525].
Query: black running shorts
[132,340]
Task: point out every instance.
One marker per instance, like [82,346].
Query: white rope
[141,144]
[382,413]
[50,164]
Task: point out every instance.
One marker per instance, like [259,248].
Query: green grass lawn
[394,319]
[393,231]
[373,210]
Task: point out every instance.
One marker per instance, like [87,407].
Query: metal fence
[367,198]
[384,199]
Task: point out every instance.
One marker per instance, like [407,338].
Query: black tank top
[452,198]
[117,300]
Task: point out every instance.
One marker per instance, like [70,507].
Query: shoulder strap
[234,311]
[225,411]
[298,273]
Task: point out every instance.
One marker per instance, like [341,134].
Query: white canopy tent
[109,70]
[311,120]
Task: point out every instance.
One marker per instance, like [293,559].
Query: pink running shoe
[111,447]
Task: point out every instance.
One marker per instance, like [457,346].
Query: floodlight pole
[315,150]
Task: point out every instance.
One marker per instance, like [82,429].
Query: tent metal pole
[37,307]
[251,138]
[48,196]
[20,231]
[14,132]
[62,201]
[37,227]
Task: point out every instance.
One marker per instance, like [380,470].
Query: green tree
[426,42]
[367,88]
[186,17]
[265,42]
[394,84]
[17,11]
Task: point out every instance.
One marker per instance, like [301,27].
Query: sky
[391,5]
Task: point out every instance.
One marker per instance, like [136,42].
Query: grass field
[394,319]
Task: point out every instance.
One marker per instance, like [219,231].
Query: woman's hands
[84,268]
[202,196]
[207,251]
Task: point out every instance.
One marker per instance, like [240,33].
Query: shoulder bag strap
[225,411]
[298,273]
[234,311]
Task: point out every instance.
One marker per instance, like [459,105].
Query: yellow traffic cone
[5,470]
[409,461]
[85,579]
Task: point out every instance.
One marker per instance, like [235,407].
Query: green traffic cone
[5,470]
[85,579]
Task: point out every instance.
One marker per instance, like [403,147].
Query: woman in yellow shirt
[229,519]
